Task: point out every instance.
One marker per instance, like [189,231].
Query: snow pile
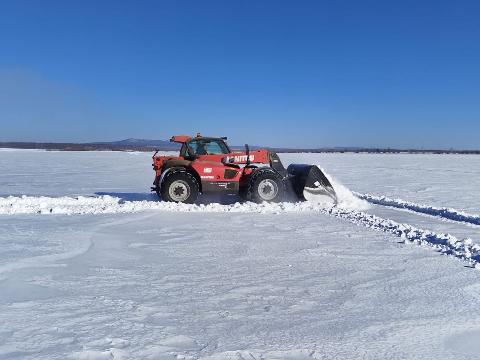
[346,199]
[67,205]
[106,204]
[447,213]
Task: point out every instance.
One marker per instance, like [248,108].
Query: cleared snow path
[447,213]
[445,243]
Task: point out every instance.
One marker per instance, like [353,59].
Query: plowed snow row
[447,213]
[106,204]
[445,243]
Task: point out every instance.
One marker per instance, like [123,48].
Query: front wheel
[180,187]
[266,185]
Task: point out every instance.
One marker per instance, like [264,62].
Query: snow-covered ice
[93,267]
[447,213]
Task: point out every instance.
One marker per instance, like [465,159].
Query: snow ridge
[444,243]
[446,213]
[106,204]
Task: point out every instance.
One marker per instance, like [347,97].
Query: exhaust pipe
[310,183]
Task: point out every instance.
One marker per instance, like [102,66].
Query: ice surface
[447,213]
[93,267]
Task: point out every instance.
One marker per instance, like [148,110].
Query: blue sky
[281,73]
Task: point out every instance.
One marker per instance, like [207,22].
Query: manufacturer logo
[241,158]
[207,170]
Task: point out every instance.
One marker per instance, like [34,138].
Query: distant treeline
[80,147]
[376,151]
[174,147]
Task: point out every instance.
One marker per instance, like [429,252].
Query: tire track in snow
[443,212]
[445,243]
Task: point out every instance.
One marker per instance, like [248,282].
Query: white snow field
[92,266]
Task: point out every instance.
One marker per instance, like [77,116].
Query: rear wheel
[266,185]
[179,186]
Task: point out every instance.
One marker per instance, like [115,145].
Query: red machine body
[207,164]
[215,172]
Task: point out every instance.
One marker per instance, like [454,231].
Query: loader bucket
[310,183]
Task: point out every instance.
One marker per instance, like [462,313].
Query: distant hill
[130,144]
[133,144]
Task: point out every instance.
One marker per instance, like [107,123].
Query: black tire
[179,186]
[243,193]
[266,185]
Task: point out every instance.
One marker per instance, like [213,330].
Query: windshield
[208,147]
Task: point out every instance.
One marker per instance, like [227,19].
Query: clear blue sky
[292,73]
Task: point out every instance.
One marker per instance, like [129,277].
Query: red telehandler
[206,165]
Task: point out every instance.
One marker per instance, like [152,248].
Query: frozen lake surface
[93,267]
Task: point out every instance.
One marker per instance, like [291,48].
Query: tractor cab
[200,146]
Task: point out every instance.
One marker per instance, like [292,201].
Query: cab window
[183,151]
[208,147]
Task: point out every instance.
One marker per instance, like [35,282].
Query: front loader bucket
[310,183]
